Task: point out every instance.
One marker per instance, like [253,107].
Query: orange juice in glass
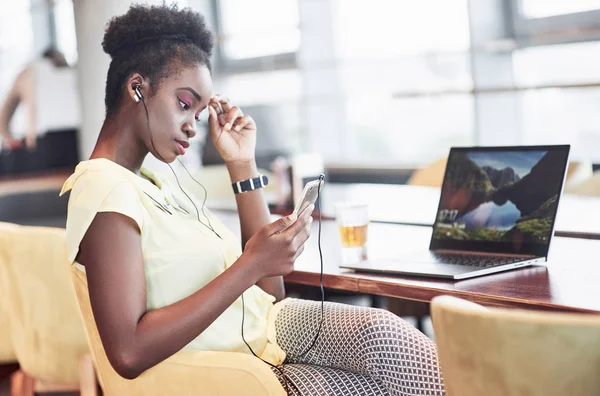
[353,223]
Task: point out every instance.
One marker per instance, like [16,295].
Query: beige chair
[432,175]
[7,353]
[45,327]
[589,186]
[185,373]
[502,352]
[577,173]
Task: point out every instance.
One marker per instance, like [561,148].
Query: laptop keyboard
[473,260]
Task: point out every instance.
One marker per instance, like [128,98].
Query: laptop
[496,212]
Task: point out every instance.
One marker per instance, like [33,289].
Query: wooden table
[569,282]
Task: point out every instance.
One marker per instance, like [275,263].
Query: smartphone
[309,195]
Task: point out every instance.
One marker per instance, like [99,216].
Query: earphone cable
[203,188]
[314,341]
[209,226]
[280,369]
[286,381]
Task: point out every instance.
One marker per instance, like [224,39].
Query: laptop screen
[500,199]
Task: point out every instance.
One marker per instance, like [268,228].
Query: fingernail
[238,128]
[293,217]
[227,126]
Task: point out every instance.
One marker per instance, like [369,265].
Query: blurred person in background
[47,89]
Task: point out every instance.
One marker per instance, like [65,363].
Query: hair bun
[143,24]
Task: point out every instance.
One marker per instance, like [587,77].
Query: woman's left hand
[232,132]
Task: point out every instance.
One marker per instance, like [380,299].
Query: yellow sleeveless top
[180,254]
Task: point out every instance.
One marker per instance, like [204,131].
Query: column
[91,17]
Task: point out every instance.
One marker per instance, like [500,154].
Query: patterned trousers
[360,351]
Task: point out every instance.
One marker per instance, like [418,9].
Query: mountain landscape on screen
[500,196]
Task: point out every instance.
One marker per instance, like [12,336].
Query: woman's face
[174,111]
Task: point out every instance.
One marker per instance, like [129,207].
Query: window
[64,29]
[384,28]
[397,83]
[404,132]
[563,72]
[258,28]
[561,64]
[401,62]
[555,21]
[548,8]
[16,50]
[556,116]
[566,111]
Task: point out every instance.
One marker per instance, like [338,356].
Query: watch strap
[243,186]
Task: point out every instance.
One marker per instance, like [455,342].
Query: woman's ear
[135,87]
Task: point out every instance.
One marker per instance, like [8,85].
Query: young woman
[164,276]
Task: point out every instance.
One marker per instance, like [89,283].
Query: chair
[577,173]
[46,330]
[589,186]
[7,353]
[493,351]
[432,175]
[185,373]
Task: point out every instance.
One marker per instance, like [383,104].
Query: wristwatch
[250,184]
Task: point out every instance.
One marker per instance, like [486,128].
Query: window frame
[287,60]
[559,29]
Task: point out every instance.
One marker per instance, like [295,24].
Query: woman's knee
[384,327]
[379,321]
[386,317]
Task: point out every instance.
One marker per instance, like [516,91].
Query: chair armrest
[210,373]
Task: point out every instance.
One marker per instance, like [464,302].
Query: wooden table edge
[331,281]
[354,283]
[427,293]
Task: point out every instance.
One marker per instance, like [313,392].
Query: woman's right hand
[275,247]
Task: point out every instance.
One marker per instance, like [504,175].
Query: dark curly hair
[154,41]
